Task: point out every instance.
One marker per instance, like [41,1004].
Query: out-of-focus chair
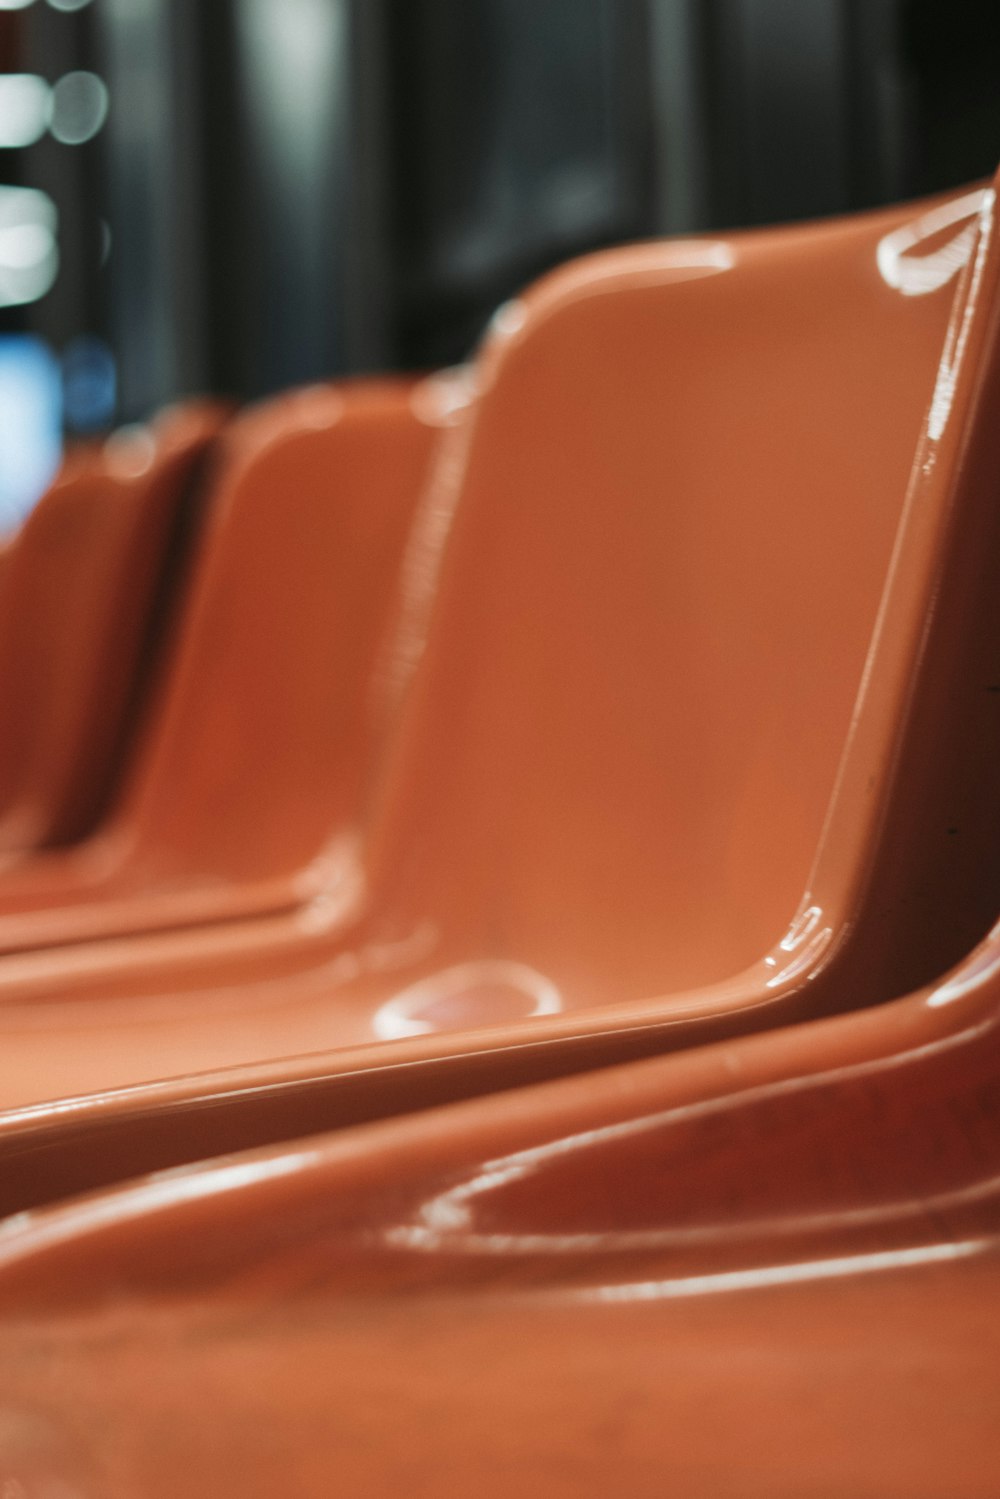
[256,757]
[84,600]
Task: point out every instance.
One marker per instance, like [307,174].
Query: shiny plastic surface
[79,588]
[708,1396]
[255,758]
[796,1233]
[641,599]
[764,1267]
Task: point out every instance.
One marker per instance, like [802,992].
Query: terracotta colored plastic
[769,1266]
[83,597]
[668,526]
[868,1386]
[255,758]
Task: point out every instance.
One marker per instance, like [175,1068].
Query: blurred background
[240,195]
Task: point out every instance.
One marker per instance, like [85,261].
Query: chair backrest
[261,746]
[673,527]
[81,602]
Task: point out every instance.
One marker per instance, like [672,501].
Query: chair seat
[666,617]
[804,1224]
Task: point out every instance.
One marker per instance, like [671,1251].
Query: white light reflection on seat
[917,275]
[411,1012]
[447,1218]
[28,1232]
[766,1276]
[958,333]
[445,1223]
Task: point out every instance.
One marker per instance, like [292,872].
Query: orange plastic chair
[868,1386]
[256,756]
[84,599]
[669,526]
[797,1234]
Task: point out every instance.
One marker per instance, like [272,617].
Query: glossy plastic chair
[796,1235]
[84,602]
[720,1272]
[256,756]
[869,1386]
[564,850]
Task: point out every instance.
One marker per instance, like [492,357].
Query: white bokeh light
[25,102]
[29,256]
[79,108]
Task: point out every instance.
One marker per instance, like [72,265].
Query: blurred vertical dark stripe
[522,136]
[308,188]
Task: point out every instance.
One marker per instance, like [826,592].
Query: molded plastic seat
[638,799]
[83,600]
[874,1385]
[256,756]
[800,1230]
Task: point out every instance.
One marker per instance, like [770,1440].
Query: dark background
[284,190]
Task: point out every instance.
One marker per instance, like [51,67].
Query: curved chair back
[83,594]
[691,473]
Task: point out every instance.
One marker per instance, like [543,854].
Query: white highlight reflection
[29,1232]
[445,1225]
[130,451]
[805,941]
[408,1013]
[783,1275]
[446,1220]
[954,350]
[509,318]
[916,275]
[978,971]
[442,399]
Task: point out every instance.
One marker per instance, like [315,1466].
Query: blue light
[89,384]
[30,424]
